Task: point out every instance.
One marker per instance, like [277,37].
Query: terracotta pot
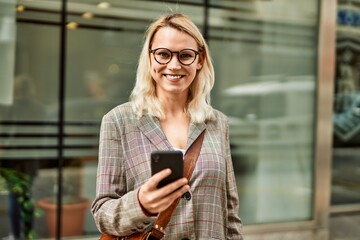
[73,217]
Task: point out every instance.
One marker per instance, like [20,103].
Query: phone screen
[167,159]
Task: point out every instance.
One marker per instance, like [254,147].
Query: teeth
[173,76]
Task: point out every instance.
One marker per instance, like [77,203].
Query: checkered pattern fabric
[124,165]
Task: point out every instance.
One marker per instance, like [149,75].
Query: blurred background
[287,76]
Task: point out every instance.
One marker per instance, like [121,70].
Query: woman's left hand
[155,200]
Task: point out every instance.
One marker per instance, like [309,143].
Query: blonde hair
[143,96]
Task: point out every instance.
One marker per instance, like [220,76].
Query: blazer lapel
[150,127]
[194,132]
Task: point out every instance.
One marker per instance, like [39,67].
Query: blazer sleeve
[115,209]
[234,226]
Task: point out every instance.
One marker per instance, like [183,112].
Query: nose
[174,62]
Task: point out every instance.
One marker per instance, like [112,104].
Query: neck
[174,105]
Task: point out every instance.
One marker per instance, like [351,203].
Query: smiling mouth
[173,77]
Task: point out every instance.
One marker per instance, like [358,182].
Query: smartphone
[161,160]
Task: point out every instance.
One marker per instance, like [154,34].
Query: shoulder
[122,116]
[220,121]
[220,117]
[121,111]
[120,119]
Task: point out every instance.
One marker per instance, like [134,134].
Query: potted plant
[74,209]
[19,184]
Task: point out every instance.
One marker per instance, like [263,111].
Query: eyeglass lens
[185,56]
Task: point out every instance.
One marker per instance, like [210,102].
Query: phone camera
[156,157]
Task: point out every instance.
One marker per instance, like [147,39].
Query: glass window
[346,161]
[103,47]
[7,51]
[264,54]
[28,130]
[265,63]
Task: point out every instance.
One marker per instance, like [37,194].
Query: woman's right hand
[155,200]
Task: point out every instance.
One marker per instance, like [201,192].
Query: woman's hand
[155,200]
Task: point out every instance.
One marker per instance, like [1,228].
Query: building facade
[64,64]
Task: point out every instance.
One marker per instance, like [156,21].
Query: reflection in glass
[28,134]
[264,54]
[7,50]
[346,120]
[265,65]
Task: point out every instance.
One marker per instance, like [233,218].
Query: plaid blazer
[124,165]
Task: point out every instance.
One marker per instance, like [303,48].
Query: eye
[185,56]
[163,54]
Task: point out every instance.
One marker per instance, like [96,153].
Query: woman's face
[174,77]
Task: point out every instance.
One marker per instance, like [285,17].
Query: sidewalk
[341,227]
[344,226]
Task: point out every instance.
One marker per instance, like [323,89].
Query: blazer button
[187,196]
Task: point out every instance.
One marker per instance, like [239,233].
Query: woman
[169,108]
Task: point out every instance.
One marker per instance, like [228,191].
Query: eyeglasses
[163,55]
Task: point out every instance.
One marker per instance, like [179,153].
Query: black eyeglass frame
[172,54]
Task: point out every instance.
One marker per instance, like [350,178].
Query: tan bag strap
[190,158]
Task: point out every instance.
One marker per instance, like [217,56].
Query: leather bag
[158,229]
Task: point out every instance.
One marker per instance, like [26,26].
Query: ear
[200,62]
